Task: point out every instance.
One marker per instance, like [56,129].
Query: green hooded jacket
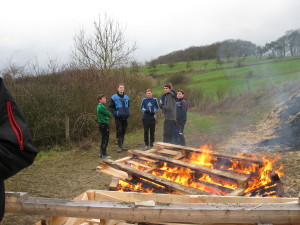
[102,113]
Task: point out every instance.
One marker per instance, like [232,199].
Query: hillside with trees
[286,45]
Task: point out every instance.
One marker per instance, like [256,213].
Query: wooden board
[103,195]
[113,196]
[270,213]
[162,145]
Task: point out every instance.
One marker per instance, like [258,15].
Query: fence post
[67,128]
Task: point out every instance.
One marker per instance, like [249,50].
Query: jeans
[180,128]
[149,125]
[104,130]
[121,126]
[169,125]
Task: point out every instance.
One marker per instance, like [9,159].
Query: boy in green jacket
[103,121]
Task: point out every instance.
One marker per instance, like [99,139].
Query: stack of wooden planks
[138,166]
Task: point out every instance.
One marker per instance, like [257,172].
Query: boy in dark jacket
[119,106]
[181,115]
[149,107]
[168,105]
[103,121]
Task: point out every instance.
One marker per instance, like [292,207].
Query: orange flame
[204,158]
[263,177]
[244,167]
[135,188]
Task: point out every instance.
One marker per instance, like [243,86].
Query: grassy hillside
[219,82]
[204,65]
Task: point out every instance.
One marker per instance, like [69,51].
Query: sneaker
[146,147]
[104,156]
[119,150]
[125,149]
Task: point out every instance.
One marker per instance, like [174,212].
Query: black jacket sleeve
[112,107]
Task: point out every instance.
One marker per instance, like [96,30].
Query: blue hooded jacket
[119,106]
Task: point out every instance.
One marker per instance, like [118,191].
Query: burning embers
[171,168]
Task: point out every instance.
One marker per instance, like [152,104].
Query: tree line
[287,45]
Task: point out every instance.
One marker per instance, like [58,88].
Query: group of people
[174,107]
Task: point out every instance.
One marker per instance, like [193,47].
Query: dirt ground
[70,173]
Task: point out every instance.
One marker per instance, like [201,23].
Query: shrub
[178,78]
[197,98]
[46,100]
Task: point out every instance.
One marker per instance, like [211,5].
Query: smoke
[268,109]
[287,133]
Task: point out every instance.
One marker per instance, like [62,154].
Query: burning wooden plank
[140,174]
[185,149]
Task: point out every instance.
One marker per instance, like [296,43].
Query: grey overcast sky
[44,29]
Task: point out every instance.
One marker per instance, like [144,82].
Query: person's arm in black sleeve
[185,105]
[112,107]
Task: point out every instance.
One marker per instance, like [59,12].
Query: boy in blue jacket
[149,107]
[119,106]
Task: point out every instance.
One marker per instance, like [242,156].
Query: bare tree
[106,49]
[12,71]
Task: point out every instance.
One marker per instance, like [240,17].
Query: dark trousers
[149,125]
[104,131]
[121,126]
[2,199]
[180,127]
[169,125]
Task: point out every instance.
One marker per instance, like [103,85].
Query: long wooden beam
[265,213]
[240,180]
[161,145]
[104,195]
